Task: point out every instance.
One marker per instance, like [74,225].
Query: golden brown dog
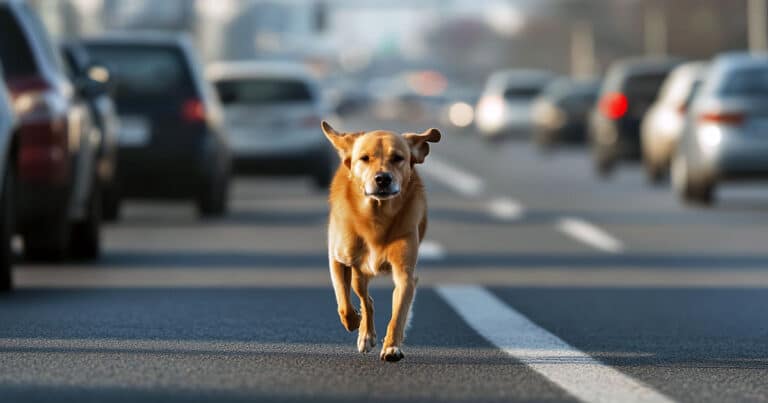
[377,221]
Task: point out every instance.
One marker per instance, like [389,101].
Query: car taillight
[723,118]
[614,105]
[193,111]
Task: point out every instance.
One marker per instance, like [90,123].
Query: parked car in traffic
[662,125]
[57,190]
[94,81]
[561,112]
[504,108]
[273,110]
[8,141]
[629,89]
[172,140]
[726,132]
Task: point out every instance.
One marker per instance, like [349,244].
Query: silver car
[8,127]
[726,134]
[665,120]
[505,106]
[273,112]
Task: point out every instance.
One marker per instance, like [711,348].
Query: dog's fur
[378,216]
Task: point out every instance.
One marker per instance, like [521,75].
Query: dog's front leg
[341,276]
[366,338]
[403,262]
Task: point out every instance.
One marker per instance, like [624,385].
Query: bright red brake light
[193,111]
[723,118]
[614,105]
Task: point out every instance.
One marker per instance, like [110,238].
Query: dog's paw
[391,354]
[350,320]
[366,342]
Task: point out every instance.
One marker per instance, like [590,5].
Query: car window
[263,91]
[49,54]
[521,93]
[749,82]
[644,87]
[143,72]
[15,53]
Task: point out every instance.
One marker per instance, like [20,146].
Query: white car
[505,106]
[665,120]
[273,112]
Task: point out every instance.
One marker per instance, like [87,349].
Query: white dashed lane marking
[571,369]
[589,234]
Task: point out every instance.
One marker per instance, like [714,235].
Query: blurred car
[662,125]
[561,112]
[504,108]
[8,130]
[273,111]
[726,132]
[58,193]
[93,79]
[629,89]
[172,141]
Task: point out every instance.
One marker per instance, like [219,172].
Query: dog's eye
[397,158]
[365,158]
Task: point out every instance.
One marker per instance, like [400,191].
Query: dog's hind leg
[341,276]
[366,338]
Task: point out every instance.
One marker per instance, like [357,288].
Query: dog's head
[381,162]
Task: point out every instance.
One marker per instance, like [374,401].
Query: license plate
[133,131]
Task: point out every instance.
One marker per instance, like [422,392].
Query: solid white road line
[575,371]
[506,209]
[589,234]
[457,179]
[431,250]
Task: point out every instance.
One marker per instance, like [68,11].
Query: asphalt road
[539,282]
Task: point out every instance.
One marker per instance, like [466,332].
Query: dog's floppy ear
[418,143]
[342,142]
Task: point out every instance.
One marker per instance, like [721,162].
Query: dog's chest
[371,260]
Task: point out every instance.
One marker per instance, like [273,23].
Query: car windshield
[15,54]
[263,91]
[747,82]
[145,72]
[522,93]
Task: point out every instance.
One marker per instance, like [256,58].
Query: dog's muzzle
[384,188]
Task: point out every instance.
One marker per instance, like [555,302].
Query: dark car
[93,79]
[630,88]
[57,195]
[172,142]
[561,112]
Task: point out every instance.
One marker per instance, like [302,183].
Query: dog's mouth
[382,194]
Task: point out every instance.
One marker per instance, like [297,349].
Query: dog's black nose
[383,179]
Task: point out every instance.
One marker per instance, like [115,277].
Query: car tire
[214,199]
[85,235]
[690,190]
[654,173]
[604,166]
[110,206]
[48,244]
[7,214]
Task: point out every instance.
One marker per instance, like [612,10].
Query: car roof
[642,65]
[731,60]
[258,69]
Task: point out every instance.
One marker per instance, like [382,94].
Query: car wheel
[604,166]
[47,244]
[7,214]
[214,200]
[690,190]
[653,173]
[110,206]
[85,236]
